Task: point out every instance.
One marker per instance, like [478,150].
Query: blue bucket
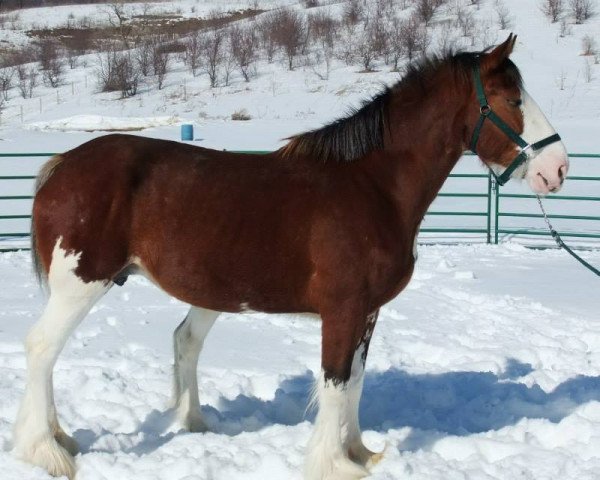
[187,132]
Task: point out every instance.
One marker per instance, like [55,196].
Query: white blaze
[546,168]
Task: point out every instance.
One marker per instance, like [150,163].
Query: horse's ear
[499,54]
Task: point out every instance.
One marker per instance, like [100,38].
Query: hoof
[67,442]
[365,457]
[48,454]
[194,424]
[340,468]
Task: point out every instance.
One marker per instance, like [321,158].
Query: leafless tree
[243,43]
[553,9]
[323,28]
[396,42]
[289,33]
[425,9]
[353,13]
[117,71]
[366,47]
[213,50]
[160,61]
[465,21]
[414,36]
[6,79]
[51,62]
[71,57]
[504,17]
[118,18]
[193,52]
[27,80]
[266,31]
[581,9]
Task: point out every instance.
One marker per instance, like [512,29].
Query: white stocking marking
[36,429]
[188,340]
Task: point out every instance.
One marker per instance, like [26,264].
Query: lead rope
[561,244]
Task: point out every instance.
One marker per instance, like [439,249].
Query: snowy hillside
[282,102]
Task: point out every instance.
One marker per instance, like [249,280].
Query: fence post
[496,212]
[489,207]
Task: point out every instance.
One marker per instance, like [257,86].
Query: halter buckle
[527,150]
[485,110]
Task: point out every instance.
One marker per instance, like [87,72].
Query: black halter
[486,112]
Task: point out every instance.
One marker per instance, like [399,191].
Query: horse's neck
[425,142]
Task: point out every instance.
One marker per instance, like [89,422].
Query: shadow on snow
[454,403]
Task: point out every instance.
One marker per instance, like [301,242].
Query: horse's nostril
[544,179]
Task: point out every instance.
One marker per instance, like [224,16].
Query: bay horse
[326,225]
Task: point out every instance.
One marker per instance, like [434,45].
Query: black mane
[362,130]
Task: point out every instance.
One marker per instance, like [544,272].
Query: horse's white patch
[36,428]
[188,340]
[326,456]
[546,168]
[415,252]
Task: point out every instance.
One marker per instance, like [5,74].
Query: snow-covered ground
[486,367]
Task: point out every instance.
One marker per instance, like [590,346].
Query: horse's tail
[44,174]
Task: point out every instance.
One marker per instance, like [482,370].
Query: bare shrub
[581,10]
[192,56]
[553,9]
[561,80]
[353,13]
[588,44]
[143,56]
[323,28]
[366,48]
[465,21]
[26,80]
[241,115]
[565,28]
[505,19]
[289,33]
[588,73]
[213,50]
[71,58]
[446,39]
[6,79]
[425,9]
[414,37]
[266,32]
[485,34]
[117,72]
[160,61]
[51,63]
[243,43]
[118,17]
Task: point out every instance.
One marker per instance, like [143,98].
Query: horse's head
[508,130]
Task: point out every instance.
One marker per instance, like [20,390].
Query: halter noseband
[486,112]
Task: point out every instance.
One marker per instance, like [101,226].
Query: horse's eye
[514,103]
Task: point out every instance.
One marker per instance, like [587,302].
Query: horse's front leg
[336,443]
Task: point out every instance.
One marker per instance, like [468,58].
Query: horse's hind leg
[188,340]
[38,438]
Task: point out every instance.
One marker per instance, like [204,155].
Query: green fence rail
[493,214]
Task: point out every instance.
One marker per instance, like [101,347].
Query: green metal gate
[493,217]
